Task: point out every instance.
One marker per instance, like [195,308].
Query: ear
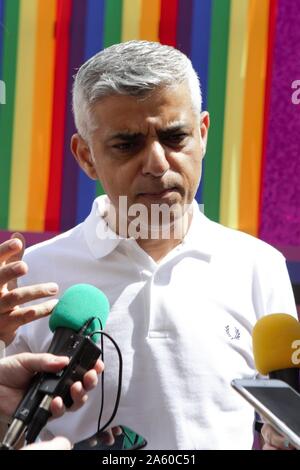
[204,126]
[82,155]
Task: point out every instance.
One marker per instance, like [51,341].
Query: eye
[125,146]
[176,138]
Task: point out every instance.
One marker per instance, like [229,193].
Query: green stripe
[113,22]
[112,35]
[10,39]
[99,189]
[216,106]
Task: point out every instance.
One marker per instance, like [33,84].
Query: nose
[155,162]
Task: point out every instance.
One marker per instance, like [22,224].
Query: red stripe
[168,22]
[270,59]
[62,32]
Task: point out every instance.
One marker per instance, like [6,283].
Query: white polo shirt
[183,325]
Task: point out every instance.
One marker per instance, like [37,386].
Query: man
[184,292]
[15,375]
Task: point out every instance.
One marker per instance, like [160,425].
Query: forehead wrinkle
[145,125]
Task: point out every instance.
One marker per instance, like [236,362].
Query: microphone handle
[64,343]
[34,409]
[289,376]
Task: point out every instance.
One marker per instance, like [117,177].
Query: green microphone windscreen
[77,305]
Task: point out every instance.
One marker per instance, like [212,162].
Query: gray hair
[132,68]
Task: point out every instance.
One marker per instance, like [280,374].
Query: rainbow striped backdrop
[246,54]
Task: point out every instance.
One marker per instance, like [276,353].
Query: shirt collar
[102,240]
[199,237]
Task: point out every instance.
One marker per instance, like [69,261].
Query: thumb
[17,370]
[42,362]
[58,443]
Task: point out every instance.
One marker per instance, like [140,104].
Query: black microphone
[78,314]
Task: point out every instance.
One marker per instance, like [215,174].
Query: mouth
[163,194]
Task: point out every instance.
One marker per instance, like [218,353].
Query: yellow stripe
[233,123]
[23,116]
[131,19]
[253,116]
[42,119]
[150,16]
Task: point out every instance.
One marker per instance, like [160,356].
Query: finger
[269,447]
[12,271]
[272,437]
[108,437]
[57,407]
[117,430]
[23,295]
[58,443]
[24,315]
[18,237]
[90,380]
[78,395]
[99,366]
[8,249]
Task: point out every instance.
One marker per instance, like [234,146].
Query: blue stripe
[1,34]
[93,43]
[294,272]
[201,27]
[94,27]
[200,42]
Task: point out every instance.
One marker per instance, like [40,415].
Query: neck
[158,249]
[157,242]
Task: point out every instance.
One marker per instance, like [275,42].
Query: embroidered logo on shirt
[235,334]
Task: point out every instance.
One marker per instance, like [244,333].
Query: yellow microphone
[276,347]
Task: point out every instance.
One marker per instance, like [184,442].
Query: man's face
[148,149]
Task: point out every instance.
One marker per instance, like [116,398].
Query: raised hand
[12,297]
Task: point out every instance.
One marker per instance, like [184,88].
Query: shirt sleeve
[272,286]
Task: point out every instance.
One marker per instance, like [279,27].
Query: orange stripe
[150,16]
[250,177]
[42,115]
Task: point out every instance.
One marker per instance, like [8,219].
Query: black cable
[120,377]
[102,380]
[87,324]
[83,329]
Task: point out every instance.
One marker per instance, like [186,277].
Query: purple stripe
[31,237]
[70,167]
[291,253]
[281,190]
[184,26]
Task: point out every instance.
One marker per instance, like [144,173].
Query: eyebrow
[173,128]
[169,129]
[125,135]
